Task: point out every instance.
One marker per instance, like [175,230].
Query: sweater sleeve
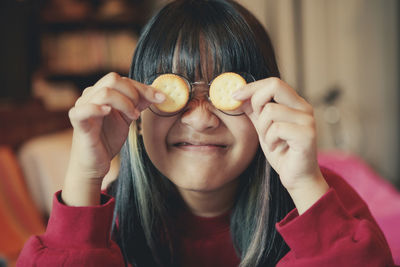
[75,236]
[338,230]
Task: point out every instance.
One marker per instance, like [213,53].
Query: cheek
[246,142]
[249,137]
[148,132]
[154,134]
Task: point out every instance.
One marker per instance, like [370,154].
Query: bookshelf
[71,44]
[82,45]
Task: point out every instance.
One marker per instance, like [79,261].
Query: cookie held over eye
[176,90]
[221,90]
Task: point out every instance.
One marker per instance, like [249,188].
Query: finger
[116,82]
[147,93]
[270,89]
[141,94]
[116,100]
[273,112]
[87,90]
[297,137]
[80,115]
[90,92]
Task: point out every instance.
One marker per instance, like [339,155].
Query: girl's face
[200,149]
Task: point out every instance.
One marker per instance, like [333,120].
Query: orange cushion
[19,217]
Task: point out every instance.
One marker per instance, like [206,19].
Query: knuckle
[105,92]
[112,77]
[269,108]
[86,90]
[274,128]
[311,133]
[308,120]
[275,82]
[308,108]
[79,101]
[71,113]
[135,93]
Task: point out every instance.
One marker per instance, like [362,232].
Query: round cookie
[222,88]
[176,90]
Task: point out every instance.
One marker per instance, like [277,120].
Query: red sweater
[338,230]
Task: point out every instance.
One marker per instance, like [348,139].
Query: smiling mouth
[187,144]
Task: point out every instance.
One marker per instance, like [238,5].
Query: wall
[351,47]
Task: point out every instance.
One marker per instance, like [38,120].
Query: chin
[200,183]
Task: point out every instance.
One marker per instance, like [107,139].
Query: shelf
[131,16]
[83,53]
[81,80]
[91,24]
[20,121]
[77,41]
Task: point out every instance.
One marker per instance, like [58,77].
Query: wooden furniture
[75,41]
[21,121]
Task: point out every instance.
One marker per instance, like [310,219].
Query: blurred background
[343,56]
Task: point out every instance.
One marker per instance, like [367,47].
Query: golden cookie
[221,90]
[176,90]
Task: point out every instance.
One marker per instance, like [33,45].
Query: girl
[202,187]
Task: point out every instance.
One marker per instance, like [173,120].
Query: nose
[199,116]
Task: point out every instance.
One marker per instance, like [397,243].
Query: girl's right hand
[101,118]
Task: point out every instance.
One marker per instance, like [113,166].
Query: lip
[199,146]
[194,143]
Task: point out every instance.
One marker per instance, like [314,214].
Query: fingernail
[159,97]
[237,95]
[105,108]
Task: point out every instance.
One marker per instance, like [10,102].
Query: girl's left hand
[286,128]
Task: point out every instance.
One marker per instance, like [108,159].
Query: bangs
[197,39]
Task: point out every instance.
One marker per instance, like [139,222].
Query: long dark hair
[146,202]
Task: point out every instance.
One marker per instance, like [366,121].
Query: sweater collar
[194,226]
